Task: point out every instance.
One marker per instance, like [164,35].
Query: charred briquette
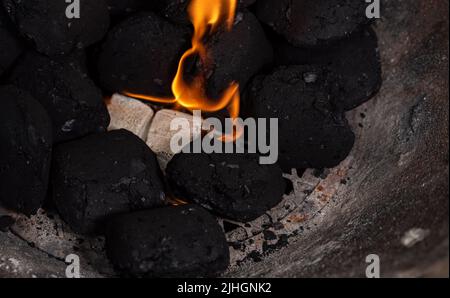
[176,10]
[73,102]
[246,3]
[237,55]
[25,151]
[313,22]
[183,241]
[311,133]
[10,45]
[121,8]
[234,186]
[104,174]
[141,55]
[46,25]
[354,65]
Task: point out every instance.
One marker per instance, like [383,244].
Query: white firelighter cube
[130,114]
[160,134]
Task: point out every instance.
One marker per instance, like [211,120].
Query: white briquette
[130,114]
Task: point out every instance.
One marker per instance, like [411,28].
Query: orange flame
[207,16]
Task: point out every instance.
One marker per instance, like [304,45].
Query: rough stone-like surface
[167,242]
[354,66]
[141,54]
[73,102]
[311,133]
[10,45]
[45,24]
[25,151]
[130,114]
[104,174]
[234,186]
[313,22]
[237,55]
[160,134]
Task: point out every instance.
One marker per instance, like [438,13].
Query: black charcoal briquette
[121,8]
[141,54]
[313,22]
[104,174]
[237,55]
[354,66]
[25,151]
[183,241]
[176,10]
[52,30]
[72,100]
[311,133]
[10,45]
[234,186]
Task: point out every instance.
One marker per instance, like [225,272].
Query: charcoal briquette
[176,10]
[183,241]
[234,186]
[141,54]
[104,174]
[313,22]
[121,8]
[312,134]
[46,24]
[25,151]
[72,100]
[10,44]
[354,66]
[237,55]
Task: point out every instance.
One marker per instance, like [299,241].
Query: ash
[312,192]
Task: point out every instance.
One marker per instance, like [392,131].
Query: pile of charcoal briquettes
[305,62]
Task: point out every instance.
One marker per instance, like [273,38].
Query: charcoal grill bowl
[398,176]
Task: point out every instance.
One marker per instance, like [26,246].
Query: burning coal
[207,17]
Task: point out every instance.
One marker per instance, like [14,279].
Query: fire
[207,16]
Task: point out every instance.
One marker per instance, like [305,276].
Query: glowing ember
[207,16]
